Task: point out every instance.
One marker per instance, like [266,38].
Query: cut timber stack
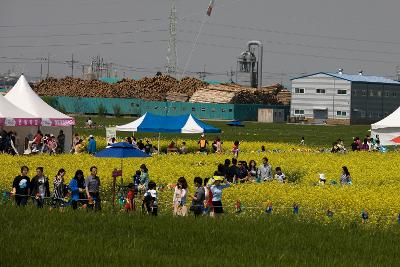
[236,94]
[161,88]
[154,88]
[176,97]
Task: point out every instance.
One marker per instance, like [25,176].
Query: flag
[210,7]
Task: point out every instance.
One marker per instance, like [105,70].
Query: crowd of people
[84,193]
[368,144]
[37,144]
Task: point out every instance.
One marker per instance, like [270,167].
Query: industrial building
[338,98]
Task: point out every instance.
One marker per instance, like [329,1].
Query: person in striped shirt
[58,195]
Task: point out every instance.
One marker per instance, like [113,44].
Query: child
[130,199]
[279,176]
[322,179]
[302,142]
[136,180]
[235,149]
[150,199]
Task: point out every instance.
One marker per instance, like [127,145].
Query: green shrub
[294,176]
[101,110]
[117,110]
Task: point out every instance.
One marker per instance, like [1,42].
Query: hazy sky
[298,36]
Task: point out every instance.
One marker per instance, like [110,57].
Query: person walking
[21,187]
[40,188]
[77,187]
[179,199]
[58,193]
[197,206]
[93,189]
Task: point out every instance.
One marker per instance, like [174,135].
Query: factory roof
[355,78]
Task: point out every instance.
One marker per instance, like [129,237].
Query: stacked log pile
[161,88]
[155,88]
[254,97]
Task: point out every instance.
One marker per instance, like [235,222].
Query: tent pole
[159,135]
[122,172]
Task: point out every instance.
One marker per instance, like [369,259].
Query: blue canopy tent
[151,123]
[120,150]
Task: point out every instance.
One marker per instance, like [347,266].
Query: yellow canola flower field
[375,189]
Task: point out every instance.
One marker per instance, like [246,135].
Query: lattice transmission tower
[172,60]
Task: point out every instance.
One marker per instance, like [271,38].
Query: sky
[303,36]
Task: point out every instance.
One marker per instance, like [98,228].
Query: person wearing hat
[216,190]
[92,145]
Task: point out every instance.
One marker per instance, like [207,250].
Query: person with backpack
[150,199]
[202,144]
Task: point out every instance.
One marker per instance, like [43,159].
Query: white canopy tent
[388,129]
[52,121]
[17,120]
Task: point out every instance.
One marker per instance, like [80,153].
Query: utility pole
[72,65]
[172,54]
[397,73]
[48,65]
[202,74]
[230,75]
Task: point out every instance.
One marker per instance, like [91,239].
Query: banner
[111,132]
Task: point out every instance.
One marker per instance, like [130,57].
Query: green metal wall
[136,107]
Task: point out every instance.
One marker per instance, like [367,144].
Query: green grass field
[42,238]
[315,135]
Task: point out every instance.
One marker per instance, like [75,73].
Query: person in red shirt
[130,199]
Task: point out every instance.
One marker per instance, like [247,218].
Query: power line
[295,33]
[296,44]
[82,44]
[81,23]
[83,34]
[298,54]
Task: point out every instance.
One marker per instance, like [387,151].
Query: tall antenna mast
[172,55]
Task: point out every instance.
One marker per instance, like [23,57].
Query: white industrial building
[338,98]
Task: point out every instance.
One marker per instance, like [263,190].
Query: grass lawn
[31,237]
[315,135]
